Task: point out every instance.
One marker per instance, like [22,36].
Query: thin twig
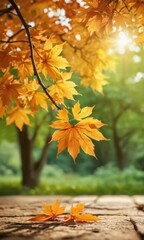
[18,41]
[32,52]
[126,6]
[37,127]
[14,35]
[114,9]
[5,11]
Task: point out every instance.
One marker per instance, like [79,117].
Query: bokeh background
[119,167]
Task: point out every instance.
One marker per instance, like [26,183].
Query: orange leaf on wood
[76,215]
[51,212]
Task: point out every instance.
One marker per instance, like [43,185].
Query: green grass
[104,181]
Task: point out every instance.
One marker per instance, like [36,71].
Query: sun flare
[123,40]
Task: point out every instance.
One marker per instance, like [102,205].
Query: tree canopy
[43,43]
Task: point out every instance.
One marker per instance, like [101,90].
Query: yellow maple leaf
[63,115]
[97,81]
[38,99]
[23,63]
[18,115]
[94,24]
[63,89]
[35,97]
[49,61]
[76,215]
[51,212]
[79,113]
[76,136]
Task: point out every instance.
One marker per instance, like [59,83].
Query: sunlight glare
[123,40]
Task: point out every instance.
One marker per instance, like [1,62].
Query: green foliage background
[123,100]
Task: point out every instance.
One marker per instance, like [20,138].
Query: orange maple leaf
[74,136]
[96,82]
[23,63]
[76,215]
[9,88]
[79,113]
[35,97]
[49,61]
[51,212]
[19,116]
[63,89]
[38,98]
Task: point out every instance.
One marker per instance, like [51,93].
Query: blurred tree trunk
[118,149]
[31,168]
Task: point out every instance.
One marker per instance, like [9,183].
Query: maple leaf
[49,61]
[79,113]
[94,24]
[96,82]
[18,115]
[9,88]
[38,98]
[51,212]
[38,35]
[63,115]
[23,63]
[35,97]
[76,215]
[78,135]
[89,65]
[6,57]
[63,89]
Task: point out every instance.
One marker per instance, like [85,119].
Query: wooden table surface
[122,218]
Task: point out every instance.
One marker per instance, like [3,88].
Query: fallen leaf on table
[51,212]
[77,216]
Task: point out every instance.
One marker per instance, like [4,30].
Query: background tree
[126,115]
[123,106]
[32,165]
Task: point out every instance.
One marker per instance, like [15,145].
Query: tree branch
[14,35]
[126,6]
[32,52]
[114,9]
[40,163]
[6,10]
[125,138]
[115,119]
[18,41]
[37,127]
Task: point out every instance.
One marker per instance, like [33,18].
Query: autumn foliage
[56,212]
[51,212]
[43,43]
[74,136]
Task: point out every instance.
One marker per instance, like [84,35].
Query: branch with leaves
[26,26]
[37,61]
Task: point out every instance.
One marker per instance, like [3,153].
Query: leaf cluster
[56,212]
